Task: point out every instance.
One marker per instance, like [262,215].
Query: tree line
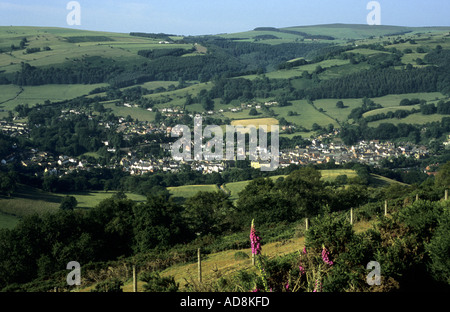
[42,245]
[351,134]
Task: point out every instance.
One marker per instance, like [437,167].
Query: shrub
[112,285]
[439,249]
[240,255]
[156,283]
[331,230]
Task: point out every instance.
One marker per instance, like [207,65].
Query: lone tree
[340,104]
[253,112]
[68,203]
[7,184]
[443,176]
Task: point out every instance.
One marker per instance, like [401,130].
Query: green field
[414,119]
[341,33]
[330,175]
[8,221]
[8,92]
[121,47]
[389,102]
[27,201]
[181,193]
[32,95]
[235,187]
[177,98]
[327,175]
[92,199]
[341,114]
[298,70]
[138,113]
[307,115]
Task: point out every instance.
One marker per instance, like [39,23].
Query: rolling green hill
[330,32]
[65,48]
[27,201]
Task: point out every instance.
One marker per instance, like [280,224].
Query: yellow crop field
[256,122]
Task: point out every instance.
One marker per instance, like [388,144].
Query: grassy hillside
[181,193]
[389,102]
[327,175]
[8,221]
[340,32]
[27,201]
[67,46]
[226,263]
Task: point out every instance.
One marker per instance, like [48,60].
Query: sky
[205,17]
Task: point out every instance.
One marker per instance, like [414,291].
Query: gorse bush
[411,247]
[156,283]
[439,248]
[111,285]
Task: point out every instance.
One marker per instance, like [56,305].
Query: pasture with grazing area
[307,115]
[256,122]
[181,193]
[8,221]
[28,201]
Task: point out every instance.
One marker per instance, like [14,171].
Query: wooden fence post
[135,288]
[199,266]
[417,197]
[385,207]
[306,223]
[446,195]
[351,215]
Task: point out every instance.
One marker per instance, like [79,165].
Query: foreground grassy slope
[225,263]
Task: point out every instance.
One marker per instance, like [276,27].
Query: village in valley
[323,149]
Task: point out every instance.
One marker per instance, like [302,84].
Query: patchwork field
[186,191]
[32,95]
[298,70]
[256,122]
[307,115]
[177,98]
[134,112]
[92,199]
[414,119]
[66,44]
[389,102]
